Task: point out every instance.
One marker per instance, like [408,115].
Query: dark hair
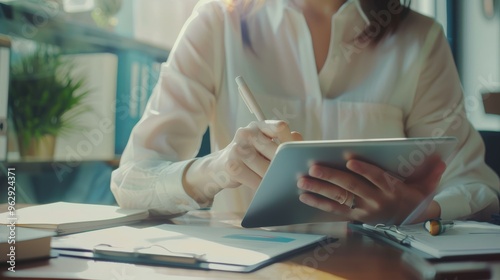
[385,16]
[393,11]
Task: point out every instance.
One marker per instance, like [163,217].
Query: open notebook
[66,218]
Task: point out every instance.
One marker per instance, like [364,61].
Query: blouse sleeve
[468,188]
[169,134]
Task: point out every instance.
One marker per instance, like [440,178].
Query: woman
[326,69]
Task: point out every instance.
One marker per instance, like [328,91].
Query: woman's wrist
[197,181]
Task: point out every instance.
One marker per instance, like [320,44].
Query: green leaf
[46,98]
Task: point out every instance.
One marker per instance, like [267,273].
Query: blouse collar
[349,20]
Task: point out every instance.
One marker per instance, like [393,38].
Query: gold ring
[346,197]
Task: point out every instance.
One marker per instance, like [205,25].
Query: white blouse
[405,86]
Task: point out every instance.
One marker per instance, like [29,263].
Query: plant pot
[39,149]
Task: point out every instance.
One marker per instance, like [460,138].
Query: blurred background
[81,72]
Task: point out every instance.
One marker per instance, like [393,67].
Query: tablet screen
[276,201]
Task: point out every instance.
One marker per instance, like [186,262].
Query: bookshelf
[46,22]
[43,21]
[52,26]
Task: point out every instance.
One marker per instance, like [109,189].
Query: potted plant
[45,99]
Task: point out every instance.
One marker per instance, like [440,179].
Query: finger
[242,174]
[296,136]
[252,135]
[324,204]
[345,180]
[248,154]
[427,174]
[276,129]
[255,161]
[376,175]
[264,145]
[250,179]
[430,182]
[323,188]
[431,169]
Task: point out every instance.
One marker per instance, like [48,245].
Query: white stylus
[249,99]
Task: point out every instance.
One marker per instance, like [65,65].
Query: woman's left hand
[370,194]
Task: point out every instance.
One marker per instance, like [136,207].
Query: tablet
[276,201]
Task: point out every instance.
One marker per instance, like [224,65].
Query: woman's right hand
[243,162]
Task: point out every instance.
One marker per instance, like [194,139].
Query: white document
[65,218]
[233,249]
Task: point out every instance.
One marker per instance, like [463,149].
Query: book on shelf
[22,244]
[66,218]
[137,76]
[4,93]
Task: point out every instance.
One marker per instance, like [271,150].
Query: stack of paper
[66,218]
[4,90]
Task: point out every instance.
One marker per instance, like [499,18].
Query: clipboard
[193,247]
[389,236]
[466,238]
[153,254]
[126,255]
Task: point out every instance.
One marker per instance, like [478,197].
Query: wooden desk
[354,256]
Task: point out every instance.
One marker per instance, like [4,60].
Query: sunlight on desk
[353,256]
